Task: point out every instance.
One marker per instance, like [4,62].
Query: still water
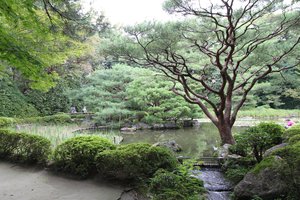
[200,141]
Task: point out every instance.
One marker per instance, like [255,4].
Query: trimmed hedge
[23,147]
[174,185]
[61,118]
[134,161]
[76,155]
[6,121]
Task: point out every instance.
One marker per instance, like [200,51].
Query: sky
[129,12]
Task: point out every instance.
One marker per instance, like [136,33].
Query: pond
[200,141]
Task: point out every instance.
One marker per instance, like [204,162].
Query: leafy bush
[294,139]
[292,132]
[275,131]
[61,118]
[24,148]
[134,161]
[76,155]
[175,185]
[13,103]
[6,121]
[236,169]
[236,174]
[256,140]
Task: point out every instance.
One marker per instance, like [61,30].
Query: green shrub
[24,148]
[275,131]
[13,102]
[294,139]
[256,140]
[76,155]
[174,185]
[236,169]
[61,118]
[6,121]
[292,132]
[236,174]
[134,161]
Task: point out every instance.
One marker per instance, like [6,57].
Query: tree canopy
[217,53]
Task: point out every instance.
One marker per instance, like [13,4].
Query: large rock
[158,126]
[274,148]
[268,184]
[171,125]
[171,144]
[142,126]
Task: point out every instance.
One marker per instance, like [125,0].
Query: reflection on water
[195,142]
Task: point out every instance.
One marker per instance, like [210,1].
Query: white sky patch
[129,12]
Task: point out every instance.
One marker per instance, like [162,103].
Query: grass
[268,113]
[58,133]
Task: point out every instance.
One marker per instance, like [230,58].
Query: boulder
[141,126]
[274,148]
[171,125]
[158,126]
[268,184]
[188,123]
[171,144]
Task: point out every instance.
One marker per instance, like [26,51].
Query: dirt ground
[29,183]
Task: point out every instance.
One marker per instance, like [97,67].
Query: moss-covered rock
[276,176]
[263,181]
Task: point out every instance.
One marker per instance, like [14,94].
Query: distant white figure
[73,109]
[84,110]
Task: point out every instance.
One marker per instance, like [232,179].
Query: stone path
[28,183]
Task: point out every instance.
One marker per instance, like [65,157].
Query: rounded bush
[6,121]
[294,139]
[23,147]
[292,132]
[172,186]
[134,161]
[275,131]
[76,155]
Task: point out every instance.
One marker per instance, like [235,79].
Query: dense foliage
[24,148]
[13,103]
[175,185]
[124,93]
[134,161]
[256,140]
[77,155]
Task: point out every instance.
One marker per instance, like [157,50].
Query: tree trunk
[225,132]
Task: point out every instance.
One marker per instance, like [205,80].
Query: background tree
[150,94]
[218,53]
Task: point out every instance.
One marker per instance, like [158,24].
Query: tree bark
[225,132]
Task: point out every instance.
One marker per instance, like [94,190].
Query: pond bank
[31,183]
